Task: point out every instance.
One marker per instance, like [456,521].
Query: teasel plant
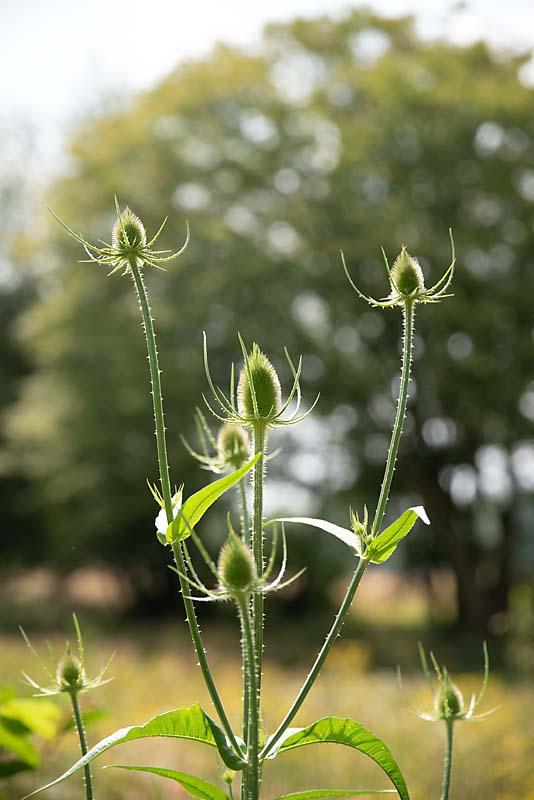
[249,410]
[449,706]
[69,677]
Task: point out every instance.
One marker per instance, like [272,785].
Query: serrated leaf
[337,730]
[313,794]
[195,787]
[345,535]
[386,542]
[196,506]
[190,723]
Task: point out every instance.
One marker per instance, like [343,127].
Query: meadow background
[340,129]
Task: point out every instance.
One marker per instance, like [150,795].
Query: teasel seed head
[70,673]
[233,445]
[236,568]
[407,275]
[259,395]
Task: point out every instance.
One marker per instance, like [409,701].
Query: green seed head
[70,674]
[236,568]
[233,446]
[259,396]
[407,275]
[450,700]
[128,233]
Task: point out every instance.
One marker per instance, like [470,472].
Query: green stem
[246,535]
[258,476]
[252,776]
[447,761]
[333,633]
[381,507]
[245,531]
[407,350]
[78,721]
[157,399]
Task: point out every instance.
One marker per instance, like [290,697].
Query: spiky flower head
[449,701]
[407,278]
[129,234]
[236,571]
[70,674]
[233,445]
[257,402]
[407,283]
[259,395]
[236,568]
[129,247]
[449,705]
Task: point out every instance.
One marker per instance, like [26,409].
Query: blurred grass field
[155,671]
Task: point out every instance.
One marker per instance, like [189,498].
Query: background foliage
[334,134]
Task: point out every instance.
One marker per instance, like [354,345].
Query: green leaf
[337,730]
[182,723]
[195,787]
[386,542]
[196,506]
[14,739]
[345,535]
[312,794]
[38,716]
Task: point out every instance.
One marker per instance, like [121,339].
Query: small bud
[259,396]
[359,527]
[228,776]
[233,445]
[236,568]
[450,702]
[70,674]
[128,233]
[407,275]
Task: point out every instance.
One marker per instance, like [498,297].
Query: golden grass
[156,671]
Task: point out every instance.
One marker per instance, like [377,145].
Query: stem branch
[157,399]
[377,522]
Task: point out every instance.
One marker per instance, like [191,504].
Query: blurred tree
[17,293]
[336,134]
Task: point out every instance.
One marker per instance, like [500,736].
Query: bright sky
[59,56]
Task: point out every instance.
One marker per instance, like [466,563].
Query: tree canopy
[334,134]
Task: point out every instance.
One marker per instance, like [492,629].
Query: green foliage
[429,135]
[195,787]
[182,723]
[385,544]
[334,730]
[196,506]
[20,719]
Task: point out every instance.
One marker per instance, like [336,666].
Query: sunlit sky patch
[59,59]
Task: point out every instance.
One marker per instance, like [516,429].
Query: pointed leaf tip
[385,544]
